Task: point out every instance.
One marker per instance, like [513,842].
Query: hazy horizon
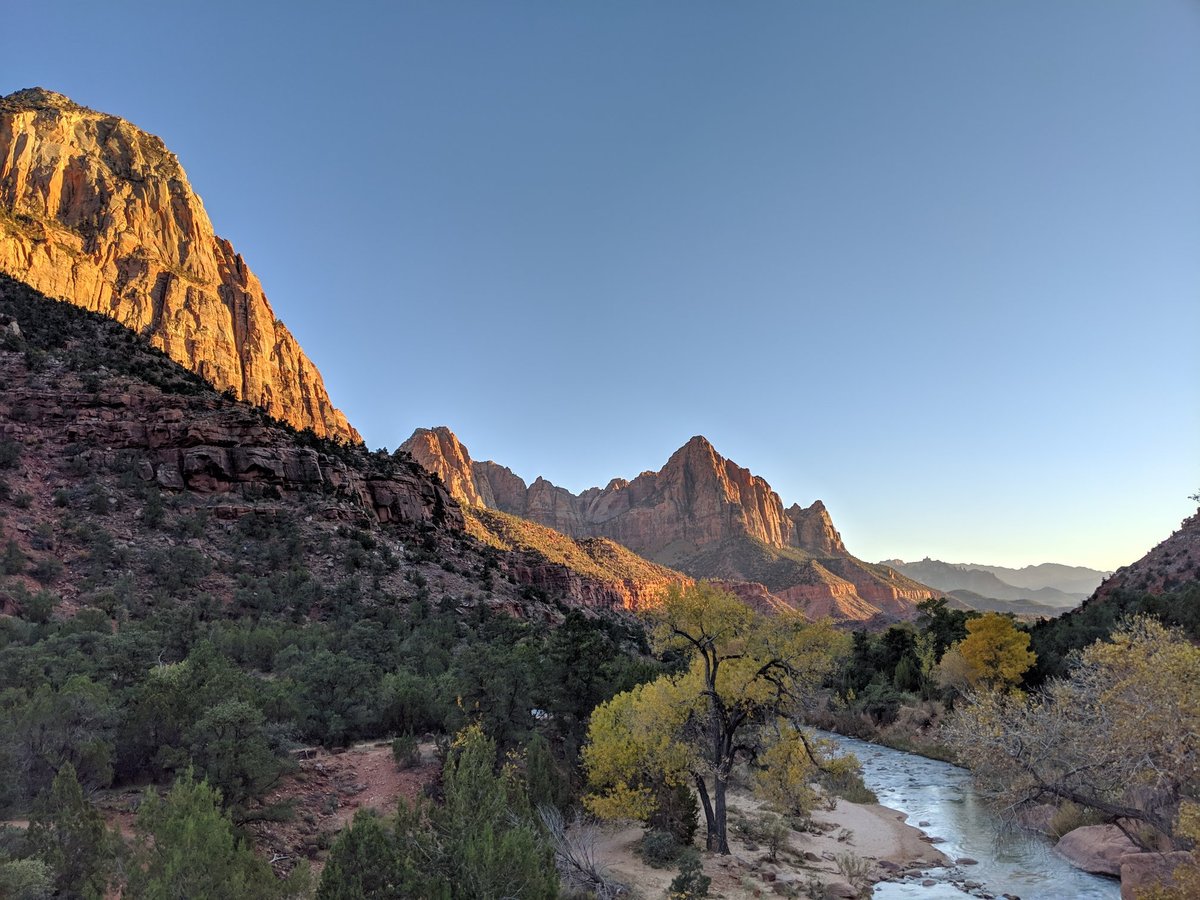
[934,264]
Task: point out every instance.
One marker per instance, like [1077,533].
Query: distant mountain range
[1046,589]
[700,514]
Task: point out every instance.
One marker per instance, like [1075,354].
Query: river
[1010,861]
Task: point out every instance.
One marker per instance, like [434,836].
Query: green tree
[68,833]
[547,784]
[744,672]
[496,850]
[481,844]
[367,863]
[230,750]
[72,724]
[187,847]
[25,879]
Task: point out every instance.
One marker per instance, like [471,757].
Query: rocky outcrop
[1141,872]
[99,213]
[697,499]
[1096,848]
[205,446]
[701,514]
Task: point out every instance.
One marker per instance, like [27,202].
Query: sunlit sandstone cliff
[99,213]
[701,514]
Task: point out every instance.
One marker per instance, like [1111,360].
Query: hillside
[119,463]
[95,211]
[700,514]
[1165,583]
[590,570]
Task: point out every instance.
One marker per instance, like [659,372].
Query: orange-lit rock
[97,212]
[703,515]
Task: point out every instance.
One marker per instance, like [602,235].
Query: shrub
[10,454]
[12,561]
[659,849]
[46,570]
[405,752]
[855,869]
[691,880]
[1070,816]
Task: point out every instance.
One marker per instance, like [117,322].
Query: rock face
[701,514]
[697,499]
[99,213]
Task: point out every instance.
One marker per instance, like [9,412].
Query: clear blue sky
[936,263]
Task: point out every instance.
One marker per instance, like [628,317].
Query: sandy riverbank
[849,847]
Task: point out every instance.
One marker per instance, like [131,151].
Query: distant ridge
[1043,585]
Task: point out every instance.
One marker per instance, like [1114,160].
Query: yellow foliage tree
[744,671]
[1117,735]
[995,651]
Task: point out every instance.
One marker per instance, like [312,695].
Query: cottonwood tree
[1117,735]
[995,651]
[744,672]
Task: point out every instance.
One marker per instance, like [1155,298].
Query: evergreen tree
[68,833]
[187,848]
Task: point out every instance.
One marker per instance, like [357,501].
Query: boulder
[1143,870]
[1096,848]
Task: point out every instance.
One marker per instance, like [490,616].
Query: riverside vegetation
[184,641]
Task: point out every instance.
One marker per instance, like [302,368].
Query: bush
[10,454]
[46,570]
[1070,816]
[405,752]
[659,849]
[677,813]
[691,880]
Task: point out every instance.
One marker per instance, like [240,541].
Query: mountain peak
[99,213]
[38,98]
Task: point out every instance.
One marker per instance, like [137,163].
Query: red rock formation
[701,514]
[99,213]
[697,499]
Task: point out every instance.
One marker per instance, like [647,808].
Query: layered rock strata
[701,514]
[99,213]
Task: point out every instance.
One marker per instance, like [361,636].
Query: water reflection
[1009,860]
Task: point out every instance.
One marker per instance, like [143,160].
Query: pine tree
[187,848]
[68,833]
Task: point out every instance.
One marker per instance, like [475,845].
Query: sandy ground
[874,834]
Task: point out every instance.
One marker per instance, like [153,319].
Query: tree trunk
[719,819]
[710,822]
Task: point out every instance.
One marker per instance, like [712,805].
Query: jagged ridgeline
[97,413]
[700,514]
[95,211]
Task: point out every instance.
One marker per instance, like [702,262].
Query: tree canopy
[1117,735]
[745,682]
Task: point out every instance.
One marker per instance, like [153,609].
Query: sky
[935,263]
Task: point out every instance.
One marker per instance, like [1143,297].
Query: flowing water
[1010,861]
